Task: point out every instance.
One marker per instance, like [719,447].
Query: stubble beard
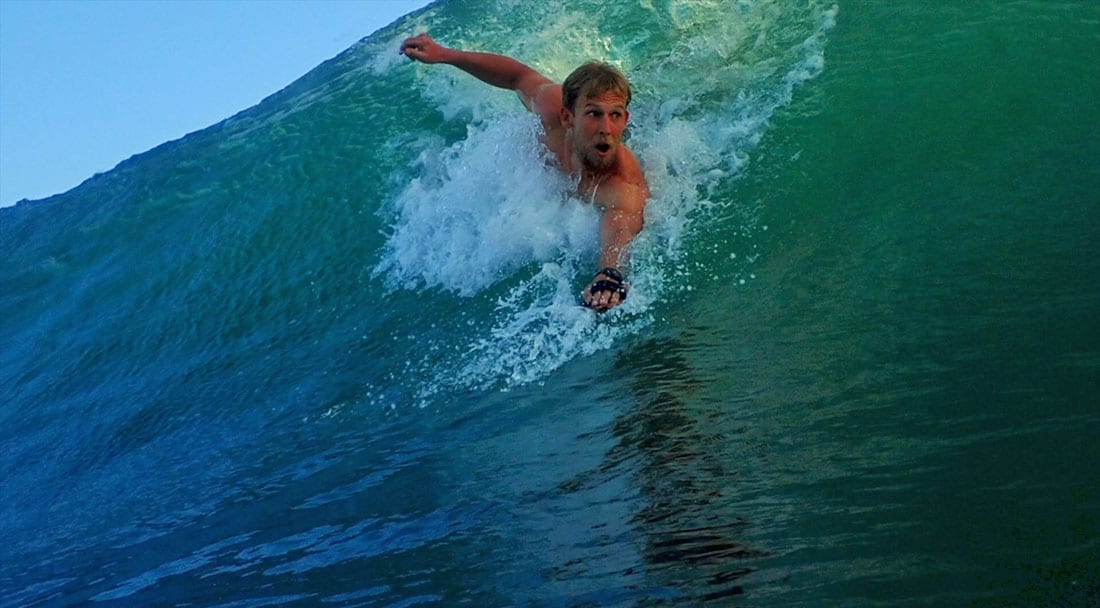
[595,163]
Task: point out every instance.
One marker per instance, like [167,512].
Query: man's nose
[605,124]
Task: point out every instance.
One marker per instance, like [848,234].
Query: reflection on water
[678,451]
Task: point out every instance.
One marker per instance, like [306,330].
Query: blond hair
[593,78]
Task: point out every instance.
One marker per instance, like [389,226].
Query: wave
[482,215]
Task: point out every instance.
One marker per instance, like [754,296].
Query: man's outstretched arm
[623,218]
[497,70]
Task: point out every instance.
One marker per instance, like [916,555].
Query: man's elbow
[635,225]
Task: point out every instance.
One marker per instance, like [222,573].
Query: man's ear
[566,118]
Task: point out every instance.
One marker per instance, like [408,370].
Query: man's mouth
[603,148]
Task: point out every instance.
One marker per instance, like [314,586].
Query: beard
[594,161]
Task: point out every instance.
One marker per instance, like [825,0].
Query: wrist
[448,55]
[612,273]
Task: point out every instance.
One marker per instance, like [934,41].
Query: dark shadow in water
[677,449]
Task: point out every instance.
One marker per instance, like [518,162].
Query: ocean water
[328,351]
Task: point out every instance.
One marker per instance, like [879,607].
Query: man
[583,121]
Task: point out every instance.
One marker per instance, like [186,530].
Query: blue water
[328,351]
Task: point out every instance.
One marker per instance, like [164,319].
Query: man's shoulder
[629,173]
[626,189]
[545,100]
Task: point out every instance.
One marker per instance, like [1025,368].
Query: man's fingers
[602,300]
[413,47]
[421,48]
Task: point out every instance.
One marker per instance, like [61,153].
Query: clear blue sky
[86,84]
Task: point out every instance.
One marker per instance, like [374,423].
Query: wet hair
[593,78]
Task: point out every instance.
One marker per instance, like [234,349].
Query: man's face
[597,124]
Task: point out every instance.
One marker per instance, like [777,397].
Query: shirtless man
[583,119]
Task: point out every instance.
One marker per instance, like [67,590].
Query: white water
[490,209]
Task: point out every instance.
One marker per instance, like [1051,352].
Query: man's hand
[423,48]
[606,291]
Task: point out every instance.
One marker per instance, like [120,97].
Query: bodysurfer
[583,121]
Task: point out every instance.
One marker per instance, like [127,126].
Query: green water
[327,353]
[918,357]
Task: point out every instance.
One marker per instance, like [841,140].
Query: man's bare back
[586,138]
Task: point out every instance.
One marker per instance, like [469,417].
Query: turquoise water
[328,353]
